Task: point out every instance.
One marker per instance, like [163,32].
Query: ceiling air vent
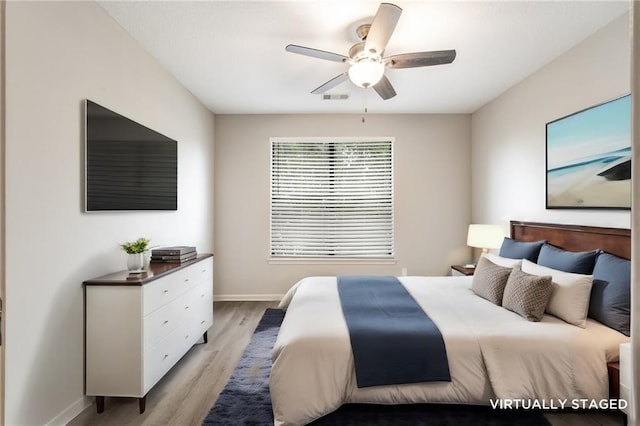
[335,97]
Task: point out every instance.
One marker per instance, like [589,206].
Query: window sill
[325,261]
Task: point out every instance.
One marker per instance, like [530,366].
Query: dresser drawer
[201,317]
[159,359]
[159,323]
[159,293]
[201,293]
[166,289]
[188,277]
[203,271]
[187,304]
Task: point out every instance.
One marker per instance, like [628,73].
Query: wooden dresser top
[156,270]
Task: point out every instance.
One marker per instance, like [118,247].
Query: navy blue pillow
[578,262]
[611,292]
[520,249]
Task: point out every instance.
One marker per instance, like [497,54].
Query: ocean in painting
[596,181]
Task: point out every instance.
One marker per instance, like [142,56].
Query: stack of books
[176,254]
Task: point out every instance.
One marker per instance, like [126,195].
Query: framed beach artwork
[589,158]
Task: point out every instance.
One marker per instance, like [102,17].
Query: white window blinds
[332,198]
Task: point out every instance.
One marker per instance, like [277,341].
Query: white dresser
[139,326]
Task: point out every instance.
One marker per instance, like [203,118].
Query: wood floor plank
[184,396]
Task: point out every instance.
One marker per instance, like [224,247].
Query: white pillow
[505,262]
[570,296]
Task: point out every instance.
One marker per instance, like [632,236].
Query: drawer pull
[165,292]
[165,356]
[166,322]
[202,322]
[186,307]
[201,296]
[204,271]
[186,280]
[186,337]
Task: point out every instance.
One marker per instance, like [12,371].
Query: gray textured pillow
[489,280]
[527,295]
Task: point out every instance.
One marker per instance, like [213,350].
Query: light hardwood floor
[185,395]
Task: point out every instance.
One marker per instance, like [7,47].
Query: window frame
[275,259]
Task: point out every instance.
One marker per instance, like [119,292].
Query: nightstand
[461,270]
[625,378]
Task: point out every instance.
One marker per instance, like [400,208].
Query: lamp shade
[366,72]
[485,236]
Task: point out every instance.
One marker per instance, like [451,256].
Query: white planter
[135,262]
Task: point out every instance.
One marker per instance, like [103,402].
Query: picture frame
[588,158]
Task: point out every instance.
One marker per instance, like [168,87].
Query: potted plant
[135,254]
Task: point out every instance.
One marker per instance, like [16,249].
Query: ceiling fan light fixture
[366,72]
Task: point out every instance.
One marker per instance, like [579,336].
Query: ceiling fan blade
[331,83]
[381,28]
[315,53]
[384,88]
[420,59]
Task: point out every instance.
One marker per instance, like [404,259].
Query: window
[331,198]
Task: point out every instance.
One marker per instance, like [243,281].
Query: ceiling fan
[366,63]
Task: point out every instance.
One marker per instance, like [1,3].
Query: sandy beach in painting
[595,192]
[591,184]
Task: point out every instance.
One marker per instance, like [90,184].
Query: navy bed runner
[393,340]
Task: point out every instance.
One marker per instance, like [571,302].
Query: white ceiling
[231,56]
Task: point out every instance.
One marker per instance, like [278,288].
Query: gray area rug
[245,399]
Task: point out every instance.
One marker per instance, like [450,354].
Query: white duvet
[492,352]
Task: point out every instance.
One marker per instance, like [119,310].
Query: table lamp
[485,237]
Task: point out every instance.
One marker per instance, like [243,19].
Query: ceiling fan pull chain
[364,103]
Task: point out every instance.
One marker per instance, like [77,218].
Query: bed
[493,353]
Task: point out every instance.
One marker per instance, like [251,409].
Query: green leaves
[137,246]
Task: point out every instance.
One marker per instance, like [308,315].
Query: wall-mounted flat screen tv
[127,166]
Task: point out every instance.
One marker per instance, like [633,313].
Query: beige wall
[58,54]
[432,193]
[508,150]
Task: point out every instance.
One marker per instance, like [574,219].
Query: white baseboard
[247,297]
[71,412]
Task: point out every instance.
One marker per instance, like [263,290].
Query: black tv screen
[128,166]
